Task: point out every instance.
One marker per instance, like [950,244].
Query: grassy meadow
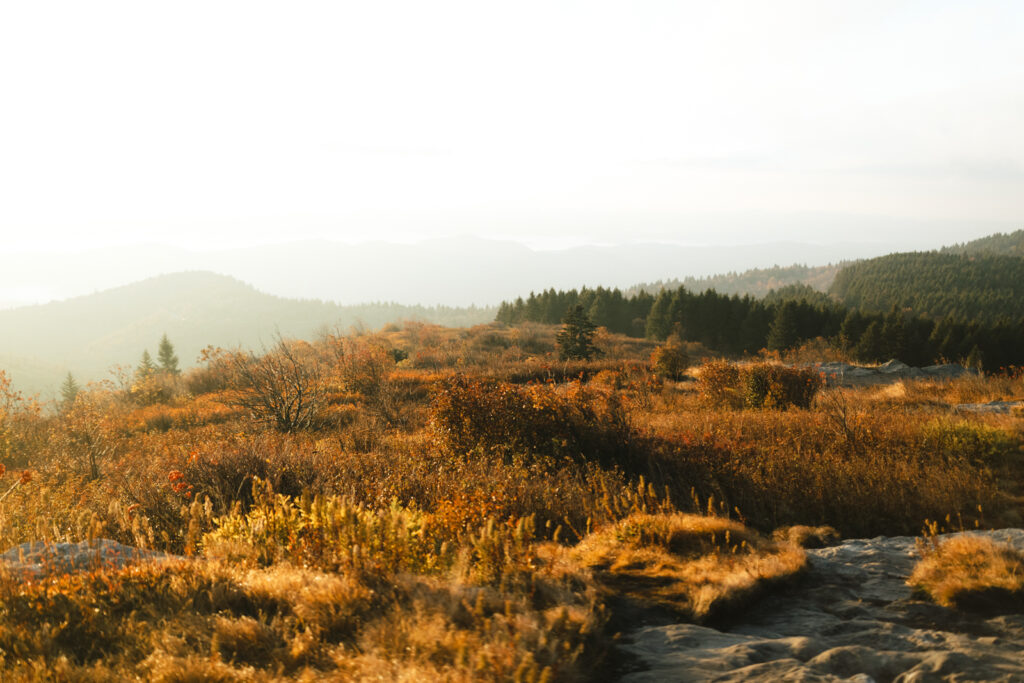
[458,504]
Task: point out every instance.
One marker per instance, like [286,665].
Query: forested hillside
[755,282]
[982,287]
[1011,244]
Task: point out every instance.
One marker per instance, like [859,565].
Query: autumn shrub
[365,367]
[543,371]
[90,432]
[154,388]
[202,410]
[24,429]
[227,472]
[669,361]
[470,415]
[214,375]
[977,442]
[610,379]
[759,385]
[718,384]
[774,386]
[807,536]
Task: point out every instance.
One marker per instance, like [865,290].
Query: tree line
[741,325]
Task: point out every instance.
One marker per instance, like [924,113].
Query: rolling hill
[1000,244]
[966,287]
[756,282]
[87,335]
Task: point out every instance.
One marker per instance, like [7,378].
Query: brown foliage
[284,387]
[758,385]
[470,415]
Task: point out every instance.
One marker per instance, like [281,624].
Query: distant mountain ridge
[453,271]
[87,335]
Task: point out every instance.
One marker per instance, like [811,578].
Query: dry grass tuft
[807,536]
[971,573]
[699,566]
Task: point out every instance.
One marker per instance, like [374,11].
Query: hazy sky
[208,124]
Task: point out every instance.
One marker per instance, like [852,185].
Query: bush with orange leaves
[669,361]
[469,414]
[760,385]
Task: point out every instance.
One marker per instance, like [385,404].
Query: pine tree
[69,390]
[658,323]
[871,347]
[146,366]
[784,332]
[576,339]
[165,354]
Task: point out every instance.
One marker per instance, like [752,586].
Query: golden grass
[807,536]
[208,621]
[699,566]
[971,573]
[399,555]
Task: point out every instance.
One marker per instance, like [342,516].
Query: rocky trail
[850,618]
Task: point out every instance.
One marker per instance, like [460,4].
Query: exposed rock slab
[38,559]
[851,619]
[996,407]
[844,374]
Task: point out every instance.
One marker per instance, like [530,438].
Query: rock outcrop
[44,559]
[852,618]
[844,374]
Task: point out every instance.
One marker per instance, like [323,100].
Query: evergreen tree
[576,339]
[658,322]
[165,354]
[894,335]
[871,347]
[850,331]
[146,366]
[784,332]
[69,390]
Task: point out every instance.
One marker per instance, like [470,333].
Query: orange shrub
[775,386]
[496,417]
[761,385]
[718,384]
[669,361]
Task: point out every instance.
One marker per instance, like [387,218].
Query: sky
[217,124]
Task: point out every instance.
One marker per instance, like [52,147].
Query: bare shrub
[284,387]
